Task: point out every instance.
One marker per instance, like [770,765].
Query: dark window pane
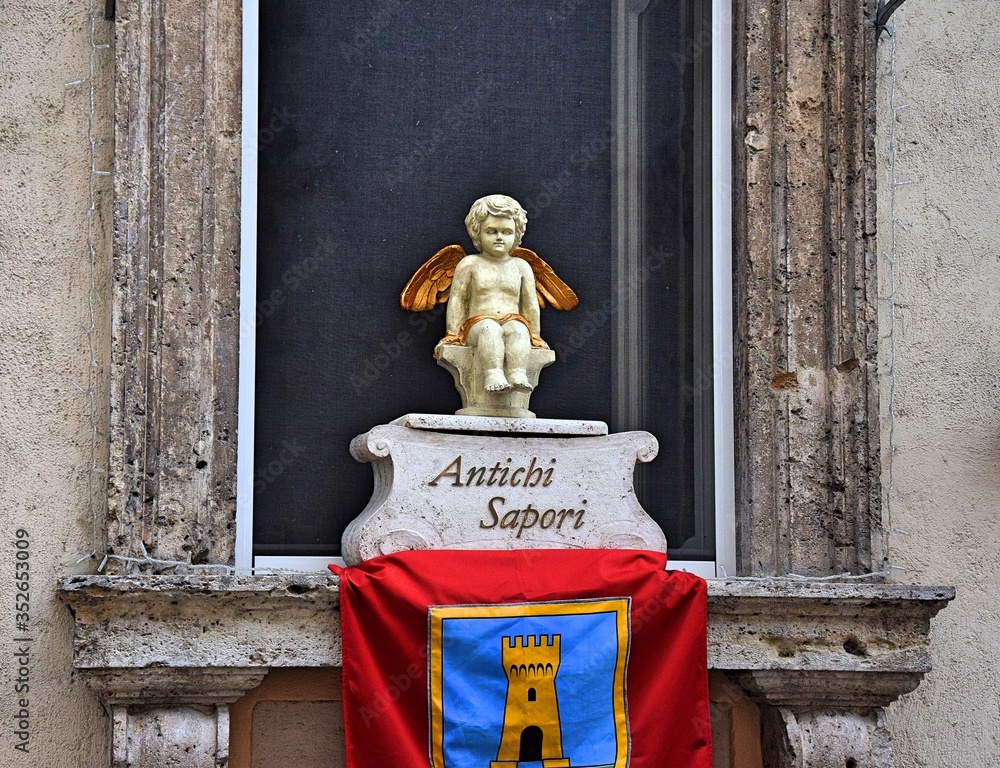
[678,488]
[381,123]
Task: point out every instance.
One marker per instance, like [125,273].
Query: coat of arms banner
[530,658]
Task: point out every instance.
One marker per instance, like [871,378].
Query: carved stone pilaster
[805,288]
[152,737]
[175,325]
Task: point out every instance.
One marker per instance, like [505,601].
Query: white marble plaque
[438,490]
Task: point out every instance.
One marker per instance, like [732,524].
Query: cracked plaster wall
[52,399]
[939,178]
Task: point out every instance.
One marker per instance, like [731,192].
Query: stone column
[175,327]
[807,437]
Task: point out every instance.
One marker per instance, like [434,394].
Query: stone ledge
[203,621]
[845,644]
[100,589]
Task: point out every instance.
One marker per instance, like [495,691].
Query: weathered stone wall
[54,315]
[939,245]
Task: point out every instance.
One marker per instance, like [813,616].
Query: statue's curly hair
[495,205]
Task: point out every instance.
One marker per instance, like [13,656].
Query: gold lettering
[493,513]
[472,476]
[531,471]
[548,474]
[524,520]
[493,474]
[506,471]
[510,519]
[449,472]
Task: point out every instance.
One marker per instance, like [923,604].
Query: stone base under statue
[466,482]
[476,401]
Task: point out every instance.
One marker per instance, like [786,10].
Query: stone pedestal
[476,401]
[485,483]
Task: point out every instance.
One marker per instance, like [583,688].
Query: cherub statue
[493,296]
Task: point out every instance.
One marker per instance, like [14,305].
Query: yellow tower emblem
[531,728]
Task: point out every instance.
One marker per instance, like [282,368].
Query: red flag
[530,658]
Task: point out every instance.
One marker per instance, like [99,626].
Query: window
[377,126]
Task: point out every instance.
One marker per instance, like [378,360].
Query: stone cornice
[183,686]
[845,644]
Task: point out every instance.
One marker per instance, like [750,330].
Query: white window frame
[722,319]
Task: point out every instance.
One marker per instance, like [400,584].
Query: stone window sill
[160,639]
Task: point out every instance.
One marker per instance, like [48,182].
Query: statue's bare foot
[495,381]
[518,379]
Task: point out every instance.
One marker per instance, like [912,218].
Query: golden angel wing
[431,283]
[548,286]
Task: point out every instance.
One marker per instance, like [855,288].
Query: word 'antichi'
[506,473]
[499,474]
